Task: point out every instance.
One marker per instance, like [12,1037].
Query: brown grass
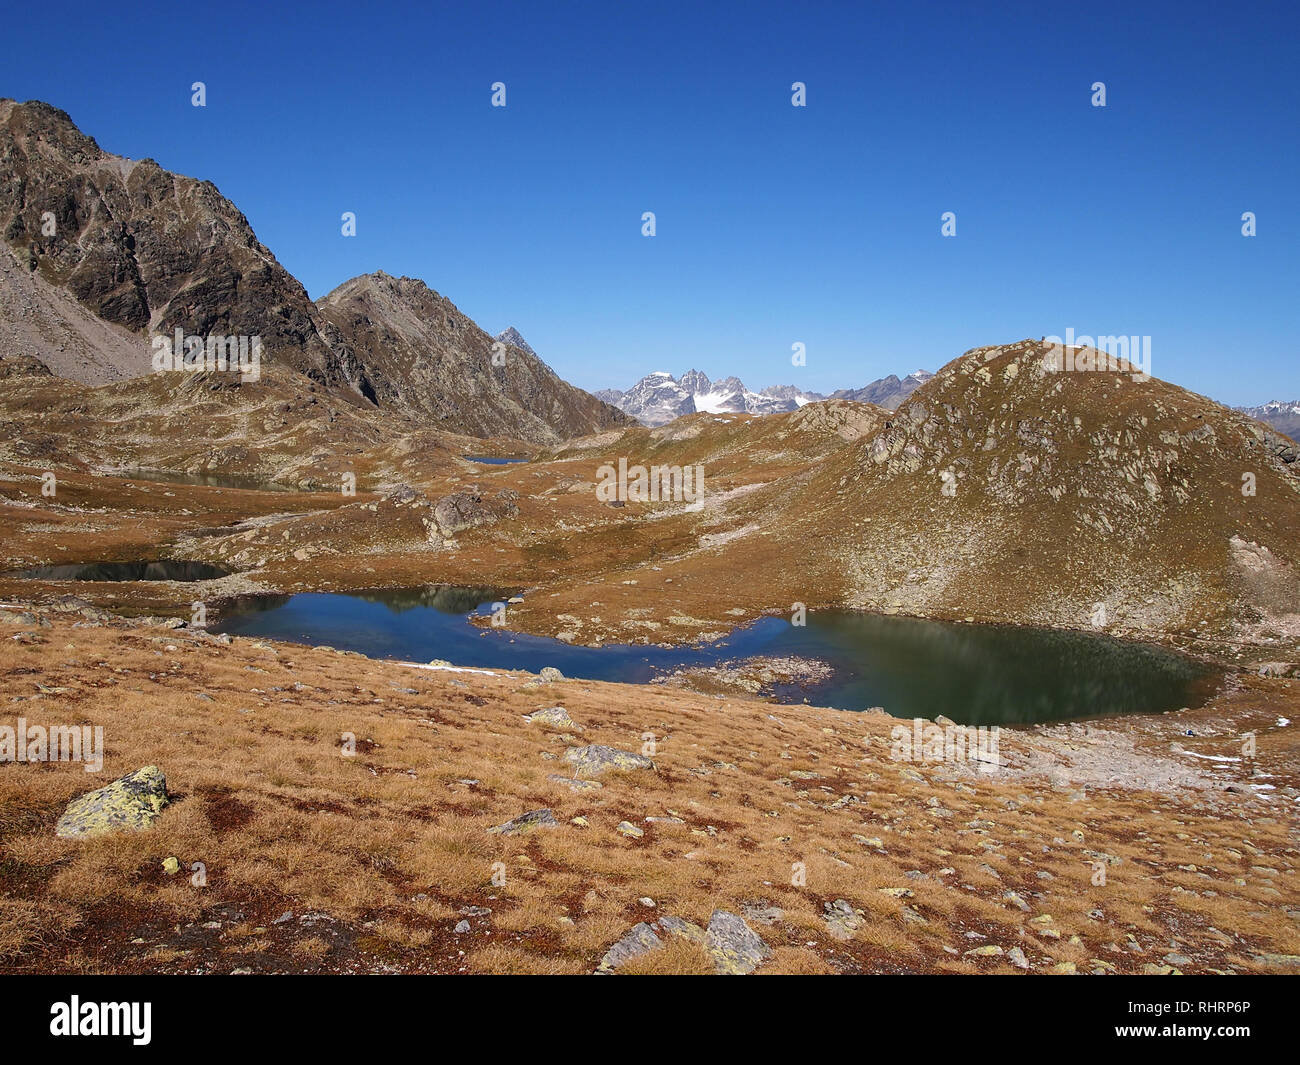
[391,845]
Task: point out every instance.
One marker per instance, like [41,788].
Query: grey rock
[640,940]
[735,948]
[575,783]
[129,803]
[596,759]
[525,823]
[841,919]
[555,717]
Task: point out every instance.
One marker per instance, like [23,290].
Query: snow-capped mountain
[1282,416]
[660,397]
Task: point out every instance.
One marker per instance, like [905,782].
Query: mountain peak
[1282,415]
[659,397]
[514,338]
[422,355]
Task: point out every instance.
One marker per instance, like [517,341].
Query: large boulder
[466,510]
[734,947]
[129,803]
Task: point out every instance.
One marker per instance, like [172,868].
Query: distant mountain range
[660,397]
[1282,416]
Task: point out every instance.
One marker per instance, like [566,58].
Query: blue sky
[775,224]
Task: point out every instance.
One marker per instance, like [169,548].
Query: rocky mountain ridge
[424,357]
[101,253]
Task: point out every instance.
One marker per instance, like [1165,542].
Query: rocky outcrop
[129,803]
[731,945]
[467,510]
[512,337]
[526,823]
[842,920]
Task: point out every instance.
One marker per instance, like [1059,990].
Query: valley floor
[1144,845]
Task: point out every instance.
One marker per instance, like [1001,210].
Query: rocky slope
[43,321]
[425,358]
[1077,499]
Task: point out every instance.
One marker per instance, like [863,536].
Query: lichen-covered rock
[640,939]
[462,510]
[595,759]
[678,927]
[574,784]
[525,823]
[549,674]
[129,803]
[555,717]
[734,947]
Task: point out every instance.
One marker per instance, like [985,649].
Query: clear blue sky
[776,224]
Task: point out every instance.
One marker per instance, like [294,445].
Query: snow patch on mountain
[659,397]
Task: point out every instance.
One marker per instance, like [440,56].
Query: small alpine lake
[973,674]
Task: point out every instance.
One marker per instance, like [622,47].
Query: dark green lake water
[974,674]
